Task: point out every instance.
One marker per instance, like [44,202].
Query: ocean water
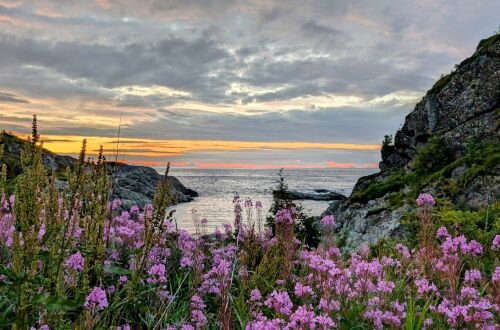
[217,188]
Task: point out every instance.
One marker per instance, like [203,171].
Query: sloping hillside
[448,146]
[134,185]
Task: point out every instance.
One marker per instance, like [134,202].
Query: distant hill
[134,185]
[448,146]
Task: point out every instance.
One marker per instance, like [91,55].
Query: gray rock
[317,195]
[134,185]
[460,106]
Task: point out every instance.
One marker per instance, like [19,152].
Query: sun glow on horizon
[155,152]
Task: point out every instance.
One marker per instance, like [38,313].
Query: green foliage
[432,157]
[395,182]
[306,229]
[442,81]
[485,43]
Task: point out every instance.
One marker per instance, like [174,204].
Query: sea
[217,187]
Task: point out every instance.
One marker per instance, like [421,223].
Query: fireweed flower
[442,232]
[157,274]
[96,300]
[255,295]
[496,243]
[425,199]
[424,286]
[472,276]
[284,216]
[280,302]
[75,262]
[328,222]
[495,277]
[302,290]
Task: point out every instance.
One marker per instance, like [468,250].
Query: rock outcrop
[461,107]
[316,195]
[134,185]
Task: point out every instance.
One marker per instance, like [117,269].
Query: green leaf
[117,271]
[53,303]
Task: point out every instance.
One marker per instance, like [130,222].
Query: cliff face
[461,107]
[134,185]
[462,104]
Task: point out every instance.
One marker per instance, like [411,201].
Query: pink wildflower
[96,300]
[255,295]
[284,216]
[328,222]
[472,276]
[425,199]
[75,262]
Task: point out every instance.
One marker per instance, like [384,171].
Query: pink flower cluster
[328,222]
[284,217]
[96,300]
[425,199]
[75,262]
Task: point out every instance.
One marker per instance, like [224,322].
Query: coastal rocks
[136,185]
[317,195]
[366,223]
[461,106]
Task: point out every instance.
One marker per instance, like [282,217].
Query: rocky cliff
[448,145]
[134,185]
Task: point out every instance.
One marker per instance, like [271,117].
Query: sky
[228,83]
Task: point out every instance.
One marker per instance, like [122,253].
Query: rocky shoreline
[133,184]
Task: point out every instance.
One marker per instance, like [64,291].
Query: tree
[306,228]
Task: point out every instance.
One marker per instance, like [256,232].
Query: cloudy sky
[229,83]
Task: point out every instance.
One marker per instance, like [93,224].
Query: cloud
[244,70]
[11,98]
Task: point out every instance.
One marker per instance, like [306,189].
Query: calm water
[218,186]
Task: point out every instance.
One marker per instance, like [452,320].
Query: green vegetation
[433,165]
[307,230]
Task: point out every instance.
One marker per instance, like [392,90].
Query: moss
[438,85]
[395,200]
[376,210]
[487,42]
[395,182]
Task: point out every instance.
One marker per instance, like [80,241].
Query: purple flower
[248,203]
[475,248]
[96,300]
[41,232]
[424,286]
[328,222]
[496,243]
[302,290]
[255,295]
[157,274]
[442,232]
[403,250]
[280,302]
[472,276]
[425,199]
[495,278]
[75,262]
[284,216]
